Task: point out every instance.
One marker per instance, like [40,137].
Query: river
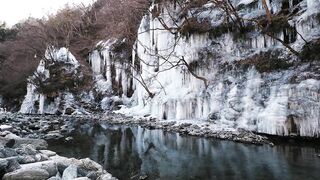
[133,152]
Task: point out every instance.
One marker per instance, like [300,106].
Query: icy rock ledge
[27,159]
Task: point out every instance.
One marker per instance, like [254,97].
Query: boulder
[37,143]
[53,135]
[70,172]
[27,174]
[5,128]
[26,159]
[93,175]
[90,165]
[12,136]
[7,152]
[82,178]
[54,178]
[49,166]
[12,165]
[4,133]
[10,143]
[69,111]
[3,167]
[48,153]
[3,163]
[106,176]
[27,149]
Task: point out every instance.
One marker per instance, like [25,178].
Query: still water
[134,152]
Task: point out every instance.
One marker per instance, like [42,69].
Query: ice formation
[113,78]
[38,103]
[236,97]
[162,80]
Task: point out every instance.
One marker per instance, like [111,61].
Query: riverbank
[60,127]
[55,127]
[131,152]
[24,158]
[91,135]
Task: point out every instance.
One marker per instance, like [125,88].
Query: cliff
[194,61]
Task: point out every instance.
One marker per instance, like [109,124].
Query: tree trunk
[265,5]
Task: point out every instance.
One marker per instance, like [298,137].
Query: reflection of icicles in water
[133,151]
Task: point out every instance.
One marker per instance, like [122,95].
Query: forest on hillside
[78,28]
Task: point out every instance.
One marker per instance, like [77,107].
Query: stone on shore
[27,174]
[49,166]
[70,172]
[5,128]
[82,178]
[48,153]
[38,144]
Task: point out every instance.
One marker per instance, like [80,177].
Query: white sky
[13,11]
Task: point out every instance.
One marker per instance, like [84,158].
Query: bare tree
[265,6]
[77,28]
[190,20]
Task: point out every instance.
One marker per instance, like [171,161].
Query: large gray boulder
[13,165]
[49,166]
[70,173]
[7,152]
[48,153]
[27,149]
[27,174]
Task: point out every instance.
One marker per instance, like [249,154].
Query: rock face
[50,89]
[253,83]
[207,70]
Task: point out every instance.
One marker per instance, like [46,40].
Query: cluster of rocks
[37,126]
[28,159]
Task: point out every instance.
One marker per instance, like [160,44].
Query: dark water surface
[133,152]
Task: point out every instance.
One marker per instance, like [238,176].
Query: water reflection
[134,152]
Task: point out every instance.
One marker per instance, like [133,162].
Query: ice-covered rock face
[237,96]
[250,82]
[313,3]
[38,102]
[112,74]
